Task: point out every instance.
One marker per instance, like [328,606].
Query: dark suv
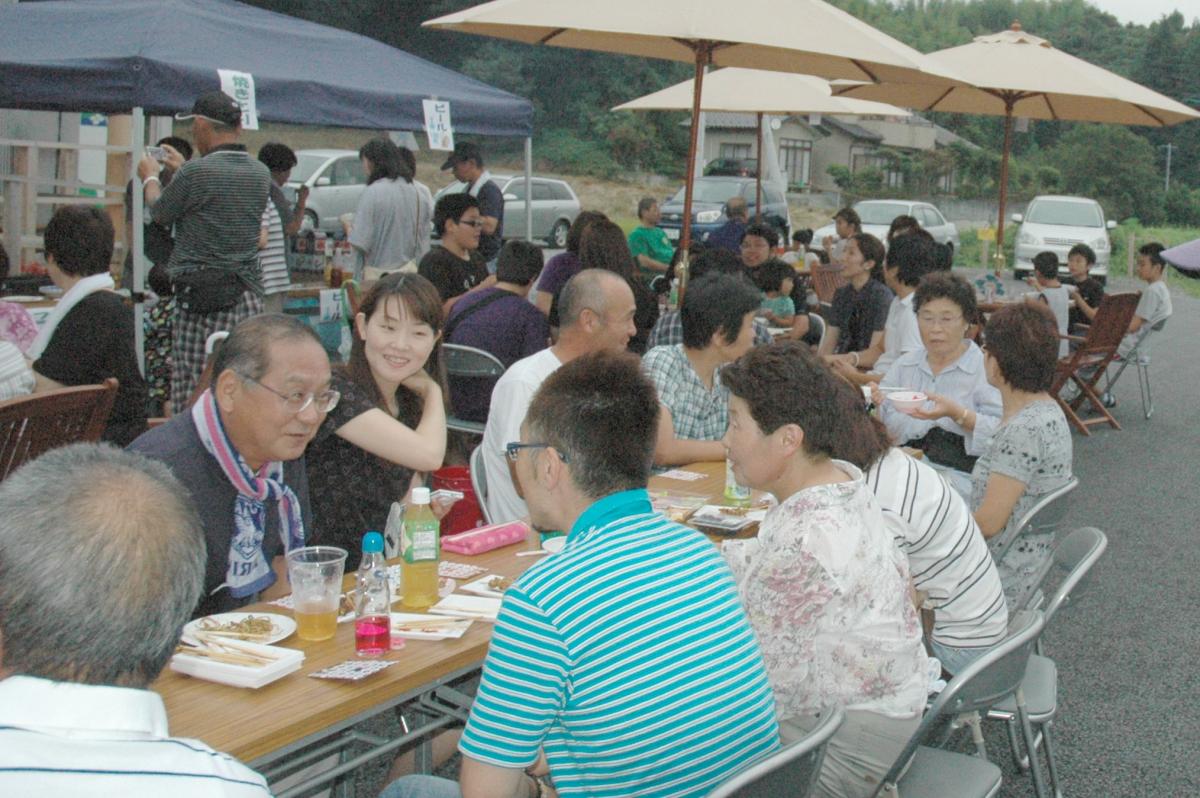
[708,206]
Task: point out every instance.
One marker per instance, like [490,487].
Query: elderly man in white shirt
[93,593]
[595,311]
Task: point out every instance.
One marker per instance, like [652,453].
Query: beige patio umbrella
[757,91]
[806,36]
[1016,74]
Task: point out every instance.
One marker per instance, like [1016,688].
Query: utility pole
[1167,187]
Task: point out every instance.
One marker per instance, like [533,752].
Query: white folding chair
[925,772]
[1049,513]
[479,482]
[791,770]
[1073,557]
[467,362]
[1139,356]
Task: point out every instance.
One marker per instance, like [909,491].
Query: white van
[1055,224]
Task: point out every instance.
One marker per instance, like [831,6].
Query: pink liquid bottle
[373,601]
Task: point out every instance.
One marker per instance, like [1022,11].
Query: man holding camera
[216,205]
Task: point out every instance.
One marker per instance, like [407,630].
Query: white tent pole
[137,144]
[529,188]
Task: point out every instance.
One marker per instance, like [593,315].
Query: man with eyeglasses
[624,665]
[456,268]
[240,453]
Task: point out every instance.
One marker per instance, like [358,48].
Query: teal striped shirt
[628,658]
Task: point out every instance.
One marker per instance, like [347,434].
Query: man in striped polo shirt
[215,204]
[93,593]
[623,666]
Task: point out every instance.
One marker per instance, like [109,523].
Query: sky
[1146,11]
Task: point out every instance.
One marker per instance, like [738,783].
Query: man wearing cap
[216,205]
[466,162]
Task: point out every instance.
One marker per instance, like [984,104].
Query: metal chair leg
[1144,385]
[1035,770]
[1051,764]
[1014,745]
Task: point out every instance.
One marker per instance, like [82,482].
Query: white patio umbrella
[806,36]
[760,92]
[1016,74]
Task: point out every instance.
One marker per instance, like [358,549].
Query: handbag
[207,291]
[945,448]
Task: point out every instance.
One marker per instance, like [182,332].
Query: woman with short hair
[955,426]
[1031,452]
[88,337]
[823,584]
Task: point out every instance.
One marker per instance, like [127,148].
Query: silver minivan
[554,207]
[1055,223]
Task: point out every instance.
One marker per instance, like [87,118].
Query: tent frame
[21,205]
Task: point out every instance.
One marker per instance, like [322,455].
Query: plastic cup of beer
[316,576]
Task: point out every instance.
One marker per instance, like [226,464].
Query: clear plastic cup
[316,576]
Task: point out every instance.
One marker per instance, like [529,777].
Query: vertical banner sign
[240,86]
[437,124]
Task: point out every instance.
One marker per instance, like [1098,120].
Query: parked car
[877,216]
[554,207]
[736,167]
[709,196]
[335,181]
[1055,224]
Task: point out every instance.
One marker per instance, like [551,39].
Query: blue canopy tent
[156,56]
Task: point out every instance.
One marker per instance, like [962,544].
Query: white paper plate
[282,626]
[460,606]
[455,629]
[22,298]
[480,587]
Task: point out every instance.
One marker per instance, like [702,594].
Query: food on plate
[734,510]
[499,583]
[252,627]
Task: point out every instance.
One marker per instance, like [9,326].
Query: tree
[1114,166]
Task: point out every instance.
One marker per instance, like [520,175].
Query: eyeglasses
[471,222]
[298,402]
[511,450]
[939,321]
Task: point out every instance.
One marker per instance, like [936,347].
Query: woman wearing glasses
[391,421]
[955,426]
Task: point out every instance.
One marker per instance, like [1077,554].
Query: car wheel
[558,234]
[310,221]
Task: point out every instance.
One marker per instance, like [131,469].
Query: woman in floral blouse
[824,585]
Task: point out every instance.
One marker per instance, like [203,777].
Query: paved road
[1127,650]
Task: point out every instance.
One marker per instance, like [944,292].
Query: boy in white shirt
[1053,293]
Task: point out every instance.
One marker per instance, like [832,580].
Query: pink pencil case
[486,538]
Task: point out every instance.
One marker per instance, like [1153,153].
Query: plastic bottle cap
[420,495]
[372,543]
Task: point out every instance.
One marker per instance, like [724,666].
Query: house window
[796,156]
[735,151]
[892,176]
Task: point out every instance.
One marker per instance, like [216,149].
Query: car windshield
[709,191]
[1070,214]
[305,166]
[880,212]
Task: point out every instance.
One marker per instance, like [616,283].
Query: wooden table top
[251,724]
[256,724]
